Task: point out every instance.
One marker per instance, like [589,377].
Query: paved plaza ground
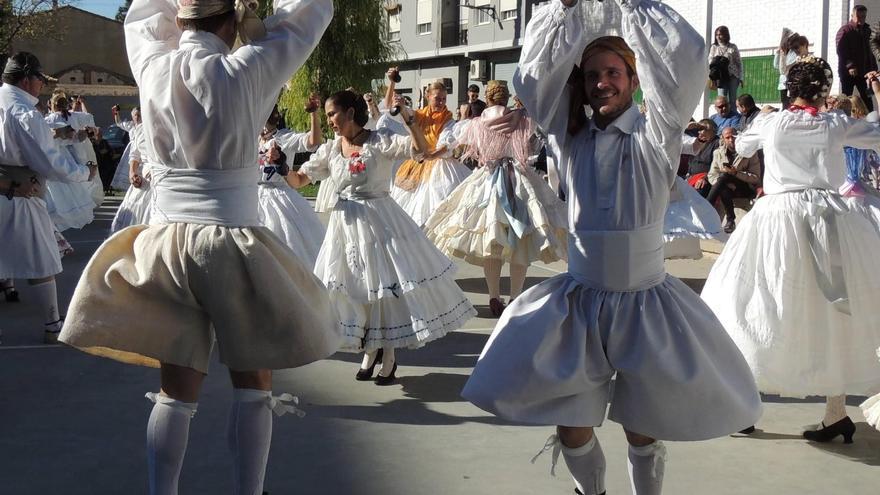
[75,424]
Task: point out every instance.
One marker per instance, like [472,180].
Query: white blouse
[802,151]
[618,178]
[379,153]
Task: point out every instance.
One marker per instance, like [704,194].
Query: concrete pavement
[74,424]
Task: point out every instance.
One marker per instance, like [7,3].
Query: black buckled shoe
[843,427]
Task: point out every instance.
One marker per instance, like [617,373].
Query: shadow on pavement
[403,412]
[864,449]
[434,387]
[696,284]
[455,350]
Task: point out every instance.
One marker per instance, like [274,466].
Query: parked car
[118,139]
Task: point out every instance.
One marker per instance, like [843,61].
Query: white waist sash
[617,261]
[211,197]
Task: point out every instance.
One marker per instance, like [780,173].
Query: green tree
[123,10]
[27,19]
[353,52]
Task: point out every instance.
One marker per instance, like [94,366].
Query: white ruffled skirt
[28,248]
[135,207]
[677,374]
[327,196]
[421,202]
[388,283]
[689,218]
[70,204]
[472,223]
[290,217]
[796,289]
[120,178]
[871,408]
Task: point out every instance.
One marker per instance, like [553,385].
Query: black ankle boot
[843,427]
[367,374]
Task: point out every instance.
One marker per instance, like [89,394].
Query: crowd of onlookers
[710,162]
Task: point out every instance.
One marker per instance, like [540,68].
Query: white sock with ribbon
[647,465]
[167,437]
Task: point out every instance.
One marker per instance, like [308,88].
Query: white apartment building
[472,41]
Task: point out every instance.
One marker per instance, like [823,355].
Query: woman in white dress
[421,185]
[71,205]
[391,287]
[283,210]
[794,286]
[136,206]
[615,313]
[503,212]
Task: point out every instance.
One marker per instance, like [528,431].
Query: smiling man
[615,313]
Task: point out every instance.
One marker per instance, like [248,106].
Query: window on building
[100,80]
[394,25]
[484,15]
[424,16]
[509,10]
[72,79]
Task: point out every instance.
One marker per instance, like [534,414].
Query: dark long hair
[349,99]
[715,35]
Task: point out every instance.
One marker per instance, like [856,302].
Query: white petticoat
[135,208]
[96,190]
[782,287]
[290,217]
[422,201]
[389,284]
[120,177]
[555,349]
[471,224]
[327,195]
[70,204]
[28,248]
[689,218]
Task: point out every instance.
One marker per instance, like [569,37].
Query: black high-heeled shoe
[386,380]
[365,374]
[843,427]
[578,492]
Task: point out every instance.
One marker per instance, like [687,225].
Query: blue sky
[106,8]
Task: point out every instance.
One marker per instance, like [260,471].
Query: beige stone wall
[87,39]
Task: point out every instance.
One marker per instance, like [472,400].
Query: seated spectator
[726,116]
[704,148]
[477,105]
[748,111]
[732,176]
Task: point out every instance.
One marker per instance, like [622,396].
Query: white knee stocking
[835,409]
[167,436]
[250,435]
[646,467]
[587,466]
[46,296]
